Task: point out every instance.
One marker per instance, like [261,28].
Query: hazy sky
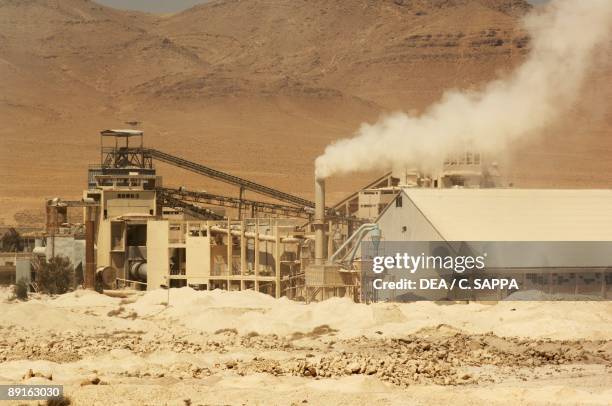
[169,6]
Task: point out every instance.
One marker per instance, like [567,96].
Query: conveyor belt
[224,177]
[235,202]
[201,211]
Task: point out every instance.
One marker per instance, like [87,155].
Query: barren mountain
[257,88]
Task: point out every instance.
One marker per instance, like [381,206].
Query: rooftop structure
[499,215]
[119,150]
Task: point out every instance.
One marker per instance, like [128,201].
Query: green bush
[56,276]
[20,290]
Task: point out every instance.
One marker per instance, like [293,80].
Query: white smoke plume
[565,35]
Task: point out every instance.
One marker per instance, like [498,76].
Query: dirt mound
[437,355]
[132,351]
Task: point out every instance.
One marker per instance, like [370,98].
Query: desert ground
[243,348]
[259,88]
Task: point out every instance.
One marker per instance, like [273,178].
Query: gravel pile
[441,355]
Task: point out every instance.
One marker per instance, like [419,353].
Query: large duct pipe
[262,237]
[138,271]
[319,222]
[106,276]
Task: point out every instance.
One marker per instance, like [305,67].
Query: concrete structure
[373,201]
[139,234]
[467,169]
[69,246]
[14,266]
[258,254]
[124,205]
[463,170]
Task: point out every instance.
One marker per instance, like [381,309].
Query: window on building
[398,201]
[128,195]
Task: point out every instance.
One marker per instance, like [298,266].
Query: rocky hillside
[254,87]
[318,48]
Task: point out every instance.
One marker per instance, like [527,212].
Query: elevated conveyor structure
[227,178]
[253,206]
[202,212]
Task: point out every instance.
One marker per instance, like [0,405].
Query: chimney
[319,222]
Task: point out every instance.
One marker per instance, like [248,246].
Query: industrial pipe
[357,237]
[106,276]
[262,237]
[319,222]
[138,271]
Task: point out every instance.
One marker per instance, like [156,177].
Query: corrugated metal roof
[516,214]
[121,133]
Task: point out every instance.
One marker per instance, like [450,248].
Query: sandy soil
[247,348]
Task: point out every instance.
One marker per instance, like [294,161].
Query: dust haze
[565,35]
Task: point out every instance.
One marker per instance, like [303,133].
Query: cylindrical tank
[106,276]
[138,271]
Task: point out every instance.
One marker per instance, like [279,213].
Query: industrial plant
[131,231]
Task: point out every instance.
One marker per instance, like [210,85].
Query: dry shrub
[227,330]
[20,290]
[115,312]
[56,276]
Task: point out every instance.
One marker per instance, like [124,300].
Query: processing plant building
[138,233]
[539,218]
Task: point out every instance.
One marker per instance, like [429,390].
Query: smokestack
[319,222]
